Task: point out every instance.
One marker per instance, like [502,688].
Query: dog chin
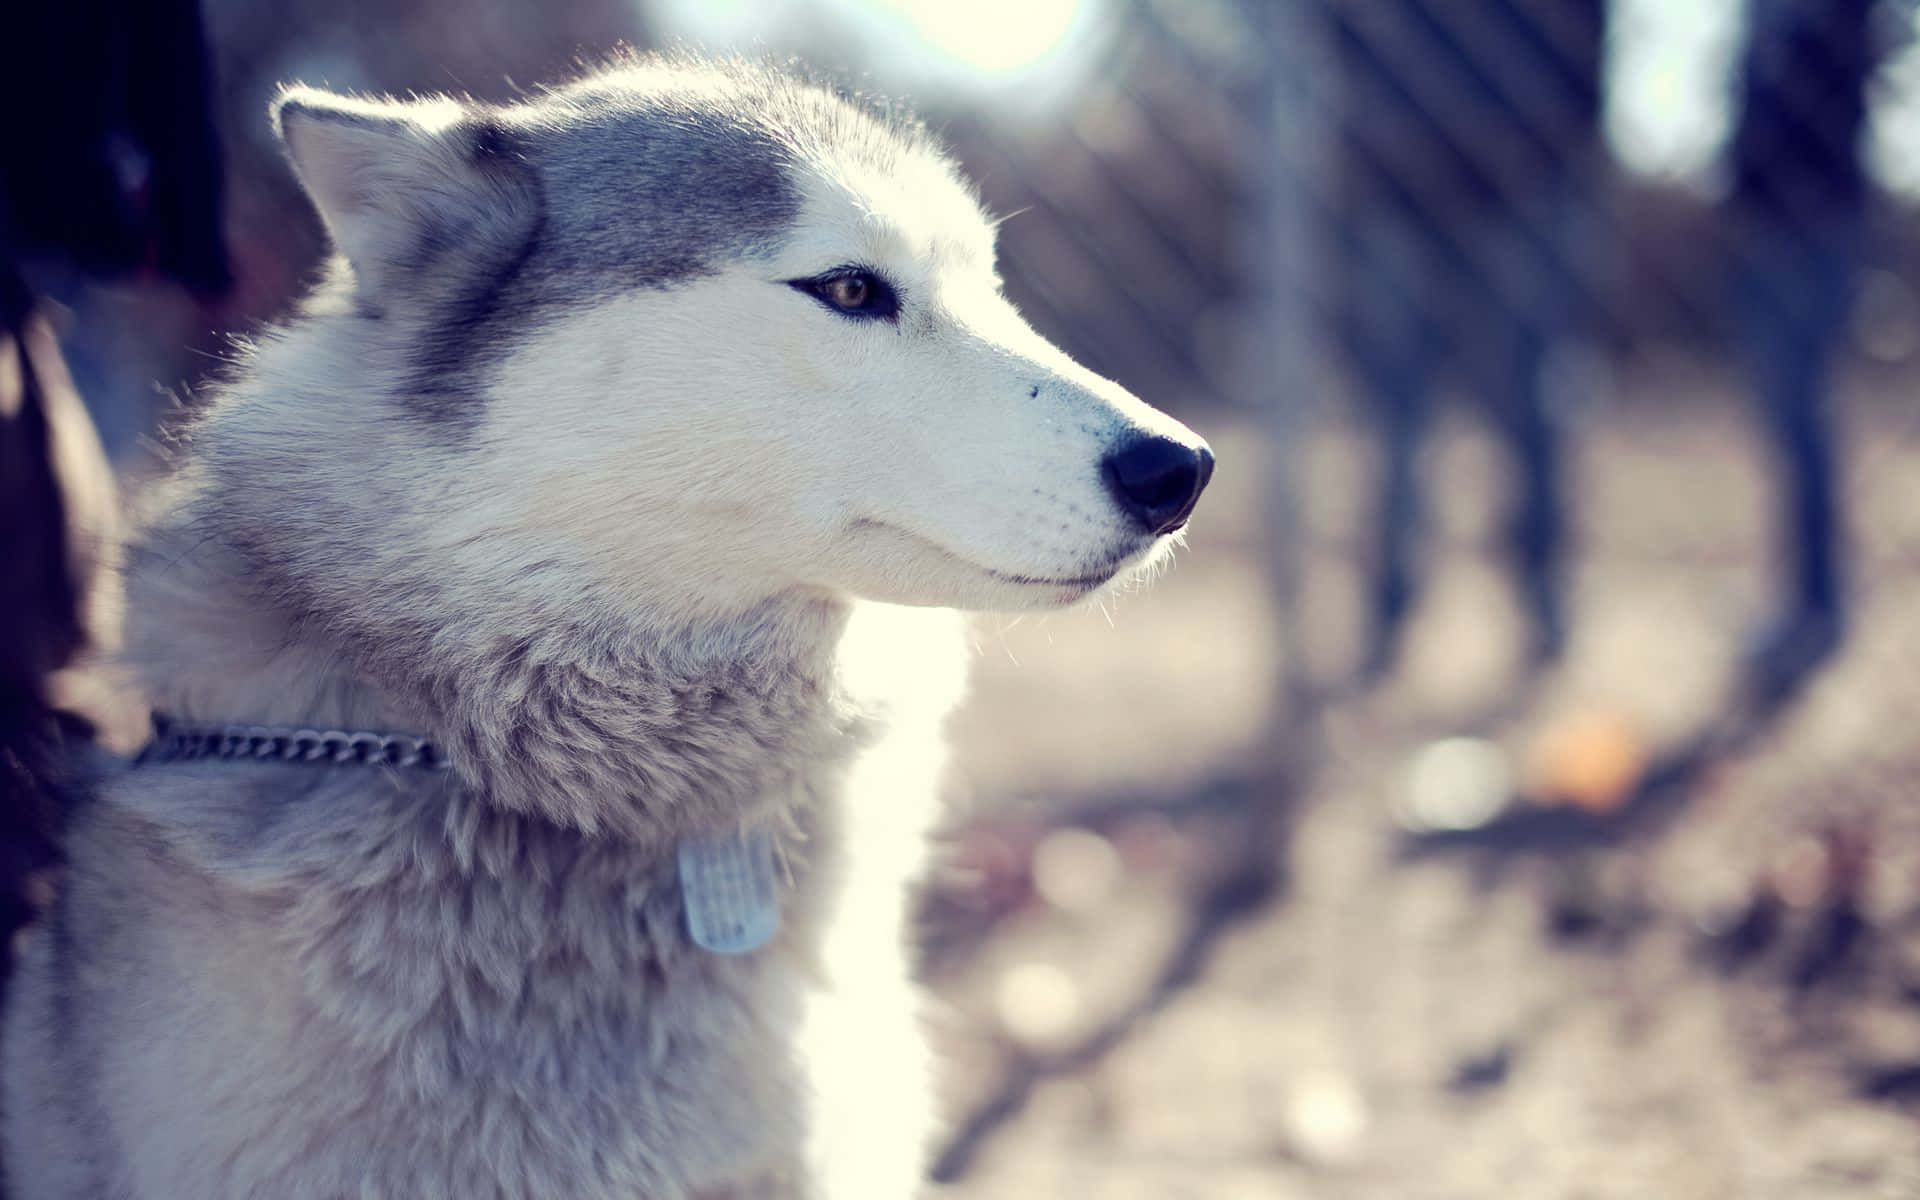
[1069,586]
[1035,594]
[911,569]
[973,591]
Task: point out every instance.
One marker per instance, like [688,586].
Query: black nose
[1159,480]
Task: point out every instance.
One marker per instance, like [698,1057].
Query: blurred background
[1514,789]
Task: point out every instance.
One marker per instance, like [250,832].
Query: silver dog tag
[727,886]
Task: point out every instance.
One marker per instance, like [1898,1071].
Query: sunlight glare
[993,37]
[1893,129]
[1670,83]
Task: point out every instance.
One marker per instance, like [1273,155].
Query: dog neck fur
[549,700]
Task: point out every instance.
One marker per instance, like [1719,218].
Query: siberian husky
[552,624]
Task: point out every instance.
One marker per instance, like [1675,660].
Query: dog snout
[1158,480]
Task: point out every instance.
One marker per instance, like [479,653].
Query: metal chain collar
[174,742]
[728,888]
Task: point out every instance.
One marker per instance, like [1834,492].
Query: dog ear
[398,181]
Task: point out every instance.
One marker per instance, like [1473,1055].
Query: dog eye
[853,292]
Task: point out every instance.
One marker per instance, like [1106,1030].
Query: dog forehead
[656,191]
[914,204]
[667,168]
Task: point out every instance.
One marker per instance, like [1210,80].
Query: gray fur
[303,981]
[386,989]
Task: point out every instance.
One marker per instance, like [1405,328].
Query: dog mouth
[1084,580]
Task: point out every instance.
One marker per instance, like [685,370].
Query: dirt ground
[1699,977]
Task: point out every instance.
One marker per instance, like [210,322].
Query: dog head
[709,335]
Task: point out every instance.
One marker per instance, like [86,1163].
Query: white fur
[639,590]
